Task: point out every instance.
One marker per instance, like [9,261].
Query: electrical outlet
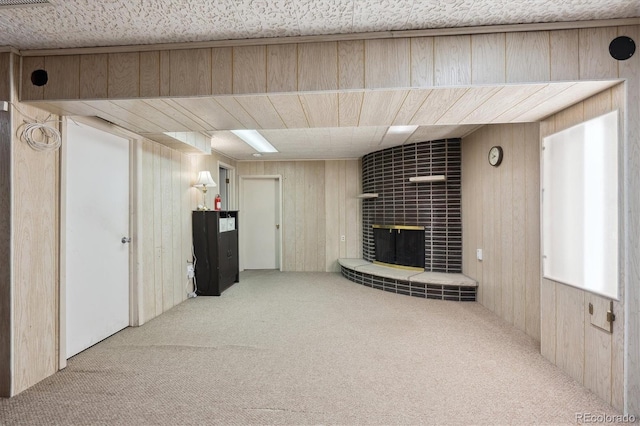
[479,254]
[191,272]
[343,238]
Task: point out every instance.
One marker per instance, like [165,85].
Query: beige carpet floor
[309,348]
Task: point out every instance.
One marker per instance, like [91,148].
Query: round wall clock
[495,156]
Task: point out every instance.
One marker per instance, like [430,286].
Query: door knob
[125,240]
[278,226]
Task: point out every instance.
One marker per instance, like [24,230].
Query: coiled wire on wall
[39,135]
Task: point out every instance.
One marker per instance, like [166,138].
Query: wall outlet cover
[190,271]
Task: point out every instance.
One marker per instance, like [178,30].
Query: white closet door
[97,220]
[260,223]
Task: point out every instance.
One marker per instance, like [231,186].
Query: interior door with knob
[97,240]
[260,223]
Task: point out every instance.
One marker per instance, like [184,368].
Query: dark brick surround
[436,206]
[429,291]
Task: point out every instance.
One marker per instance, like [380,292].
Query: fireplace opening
[399,245]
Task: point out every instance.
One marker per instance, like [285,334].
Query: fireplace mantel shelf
[367,195]
[433,178]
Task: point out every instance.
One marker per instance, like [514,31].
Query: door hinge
[600,320]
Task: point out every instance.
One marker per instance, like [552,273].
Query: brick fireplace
[434,207]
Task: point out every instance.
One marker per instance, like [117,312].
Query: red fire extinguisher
[218,202]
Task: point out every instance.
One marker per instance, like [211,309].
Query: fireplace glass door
[399,245]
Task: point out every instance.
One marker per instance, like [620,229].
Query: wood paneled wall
[630,70]
[35,245]
[590,355]
[210,163]
[29,254]
[319,206]
[30,179]
[343,212]
[167,198]
[165,234]
[500,215]
[5,231]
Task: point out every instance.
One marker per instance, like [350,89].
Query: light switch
[479,254]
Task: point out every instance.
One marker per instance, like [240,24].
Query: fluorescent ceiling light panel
[397,130]
[255,139]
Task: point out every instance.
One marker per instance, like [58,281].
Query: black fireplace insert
[399,245]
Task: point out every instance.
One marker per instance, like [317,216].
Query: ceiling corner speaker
[622,48]
[39,78]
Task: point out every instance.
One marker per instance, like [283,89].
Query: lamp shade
[204,180]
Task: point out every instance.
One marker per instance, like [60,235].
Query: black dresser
[215,247]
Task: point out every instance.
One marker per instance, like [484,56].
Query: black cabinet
[215,248]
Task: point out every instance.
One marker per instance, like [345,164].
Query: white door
[260,223]
[97,219]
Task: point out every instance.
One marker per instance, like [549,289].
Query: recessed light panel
[255,139]
[399,130]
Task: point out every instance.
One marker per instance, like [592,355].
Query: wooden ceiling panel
[540,97]
[349,107]
[158,112]
[178,112]
[506,98]
[472,100]
[262,111]
[290,110]
[573,94]
[414,100]
[127,116]
[233,107]
[321,109]
[210,112]
[344,124]
[379,108]
[436,104]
